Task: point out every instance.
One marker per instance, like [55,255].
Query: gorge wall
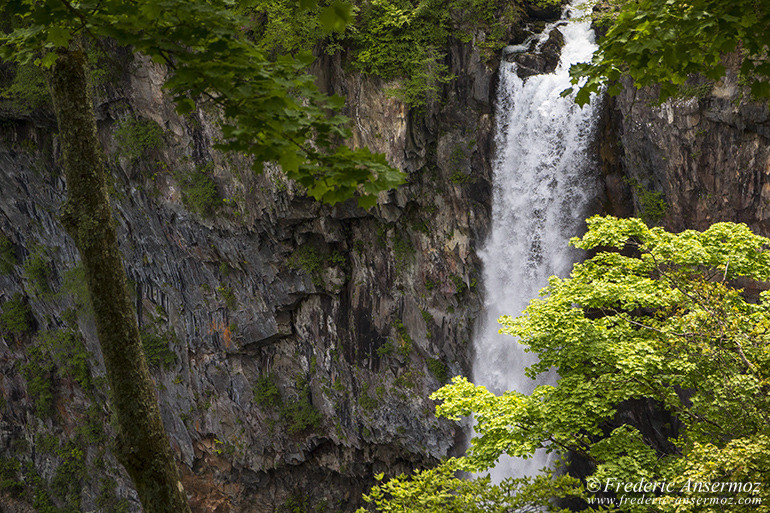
[294,345]
[691,161]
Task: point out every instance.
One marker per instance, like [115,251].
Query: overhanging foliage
[665,41]
[272,109]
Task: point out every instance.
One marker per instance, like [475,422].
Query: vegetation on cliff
[404,41]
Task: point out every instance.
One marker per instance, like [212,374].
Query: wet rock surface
[541,58]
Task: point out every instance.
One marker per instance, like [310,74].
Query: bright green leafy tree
[665,41]
[654,318]
[270,109]
[443,490]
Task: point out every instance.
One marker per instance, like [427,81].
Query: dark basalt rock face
[707,153]
[295,344]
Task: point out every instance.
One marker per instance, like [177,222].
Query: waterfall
[543,188]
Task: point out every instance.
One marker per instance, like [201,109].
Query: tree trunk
[142,444]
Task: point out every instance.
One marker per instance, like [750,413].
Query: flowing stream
[543,188]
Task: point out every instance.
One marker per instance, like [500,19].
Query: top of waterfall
[534,41]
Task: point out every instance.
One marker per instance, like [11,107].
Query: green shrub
[199,192]
[459,283]
[67,480]
[699,91]
[404,340]
[91,428]
[55,353]
[108,499]
[74,283]
[493,16]
[313,261]
[336,259]
[156,347]
[38,371]
[438,369]
[407,380]
[460,178]
[408,39]
[423,84]
[366,401]
[58,352]
[403,250]
[284,26]
[297,502]
[16,317]
[228,295]
[38,271]
[300,414]
[67,351]
[653,205]
[421,226]
[385,349]
[308,258]
[46,442]
[398,40]
[10,478]
[266,393]
[7,255]
[136,138]
[27,90]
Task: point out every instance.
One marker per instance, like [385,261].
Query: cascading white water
[543,186]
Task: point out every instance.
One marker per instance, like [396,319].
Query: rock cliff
[691,161]
[293,345]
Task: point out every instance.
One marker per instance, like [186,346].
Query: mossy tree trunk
[142,443]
